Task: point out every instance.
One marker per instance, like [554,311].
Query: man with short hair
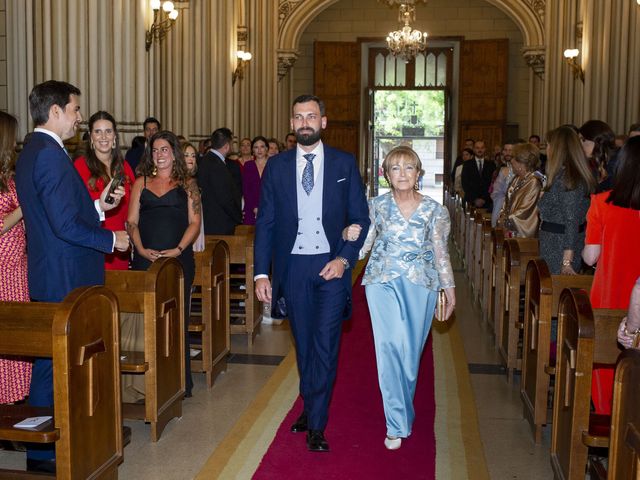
[290,141]
[476,177]
[65,241]
[151,126]
[221,184]
[309,196]
[634,130]
[535,139]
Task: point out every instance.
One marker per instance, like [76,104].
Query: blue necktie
[307,173]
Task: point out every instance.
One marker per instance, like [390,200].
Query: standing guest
[151,126]
[251,177]
[309,196]
[203,147]
[519,214]
[613,229]
[164,217]
[15,374]
[535,139]
[634,130]
[467,154]
[598,143]
[409,264]
[564,202]
[476,178]
[191,161]
[221,184]
[629,328]
[245,152]
[468,144]
[65,242]
[290,141]
[501,183]
[274,147]
[103,163]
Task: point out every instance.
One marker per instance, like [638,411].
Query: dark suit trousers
[315,310]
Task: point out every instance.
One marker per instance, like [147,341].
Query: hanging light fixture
[406,42]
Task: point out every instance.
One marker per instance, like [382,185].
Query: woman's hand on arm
[351,233]
[11,220]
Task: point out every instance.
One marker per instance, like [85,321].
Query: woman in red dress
[103,162]
[613,229]
[15,375]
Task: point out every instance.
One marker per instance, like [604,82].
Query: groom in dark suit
[309,196]
[65,242]
[476,178]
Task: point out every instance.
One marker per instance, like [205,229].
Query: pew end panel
[83,343]
[212,287]
[496,302]
[624,450]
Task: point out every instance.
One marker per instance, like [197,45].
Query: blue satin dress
[409,263]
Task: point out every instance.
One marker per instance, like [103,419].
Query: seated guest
[613,229]
[15,374]
[564,202]
[102,163]
[519,214]
[251,179]
[220,182]
[164,216]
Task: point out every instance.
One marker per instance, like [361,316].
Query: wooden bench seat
[211,289]
[542,294]
[81,335]
[479,225]
[158,294]
[585,336]
[486,272]
[516,255]
[496,293]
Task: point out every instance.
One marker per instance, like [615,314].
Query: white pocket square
[341,180]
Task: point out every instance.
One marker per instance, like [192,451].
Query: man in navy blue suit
[309,197]
[65,242]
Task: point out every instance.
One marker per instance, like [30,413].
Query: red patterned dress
[15,375]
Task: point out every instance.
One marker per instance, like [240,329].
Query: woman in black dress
[164,215]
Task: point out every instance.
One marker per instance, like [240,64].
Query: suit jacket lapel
[330,178]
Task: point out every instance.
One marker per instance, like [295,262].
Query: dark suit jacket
[65,242]
[221,194]
[343,203]
[476,185]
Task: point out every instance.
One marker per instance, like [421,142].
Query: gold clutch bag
[441,305]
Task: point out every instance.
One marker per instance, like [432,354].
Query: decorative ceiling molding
[286,60]
[535,58]
[285,8]
[538,6]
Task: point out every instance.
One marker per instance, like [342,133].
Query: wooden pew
[458,228]
[516,254]
[81,335]
[496,295]
[486,300]
[158,294]
[542,294]
[211,289]
[469,222]
[624,449]
[479,227]
[585,336]
[241,273]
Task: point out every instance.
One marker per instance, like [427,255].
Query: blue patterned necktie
[307,173]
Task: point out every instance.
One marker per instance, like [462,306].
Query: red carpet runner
[356,427]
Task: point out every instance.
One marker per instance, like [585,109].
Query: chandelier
[406,43]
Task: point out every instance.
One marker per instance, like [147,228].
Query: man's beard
[307,139]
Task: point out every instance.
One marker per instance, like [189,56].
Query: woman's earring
[154,172]
[416,187]
[113,147]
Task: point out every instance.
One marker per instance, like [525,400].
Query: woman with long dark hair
[613,229]
[251,176]
[598,143]
[102,163]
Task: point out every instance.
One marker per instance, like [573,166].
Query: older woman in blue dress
[409,264]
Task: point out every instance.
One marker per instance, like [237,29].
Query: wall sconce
[243,60]
[160,27]
[570,54]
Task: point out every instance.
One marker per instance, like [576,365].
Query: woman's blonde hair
[395,155]
[528,155]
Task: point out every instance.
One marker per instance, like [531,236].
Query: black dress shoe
[316,441]
[300,424]
[45,466]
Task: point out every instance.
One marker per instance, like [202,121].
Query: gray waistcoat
[311,239]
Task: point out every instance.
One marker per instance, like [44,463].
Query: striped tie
[307,173]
